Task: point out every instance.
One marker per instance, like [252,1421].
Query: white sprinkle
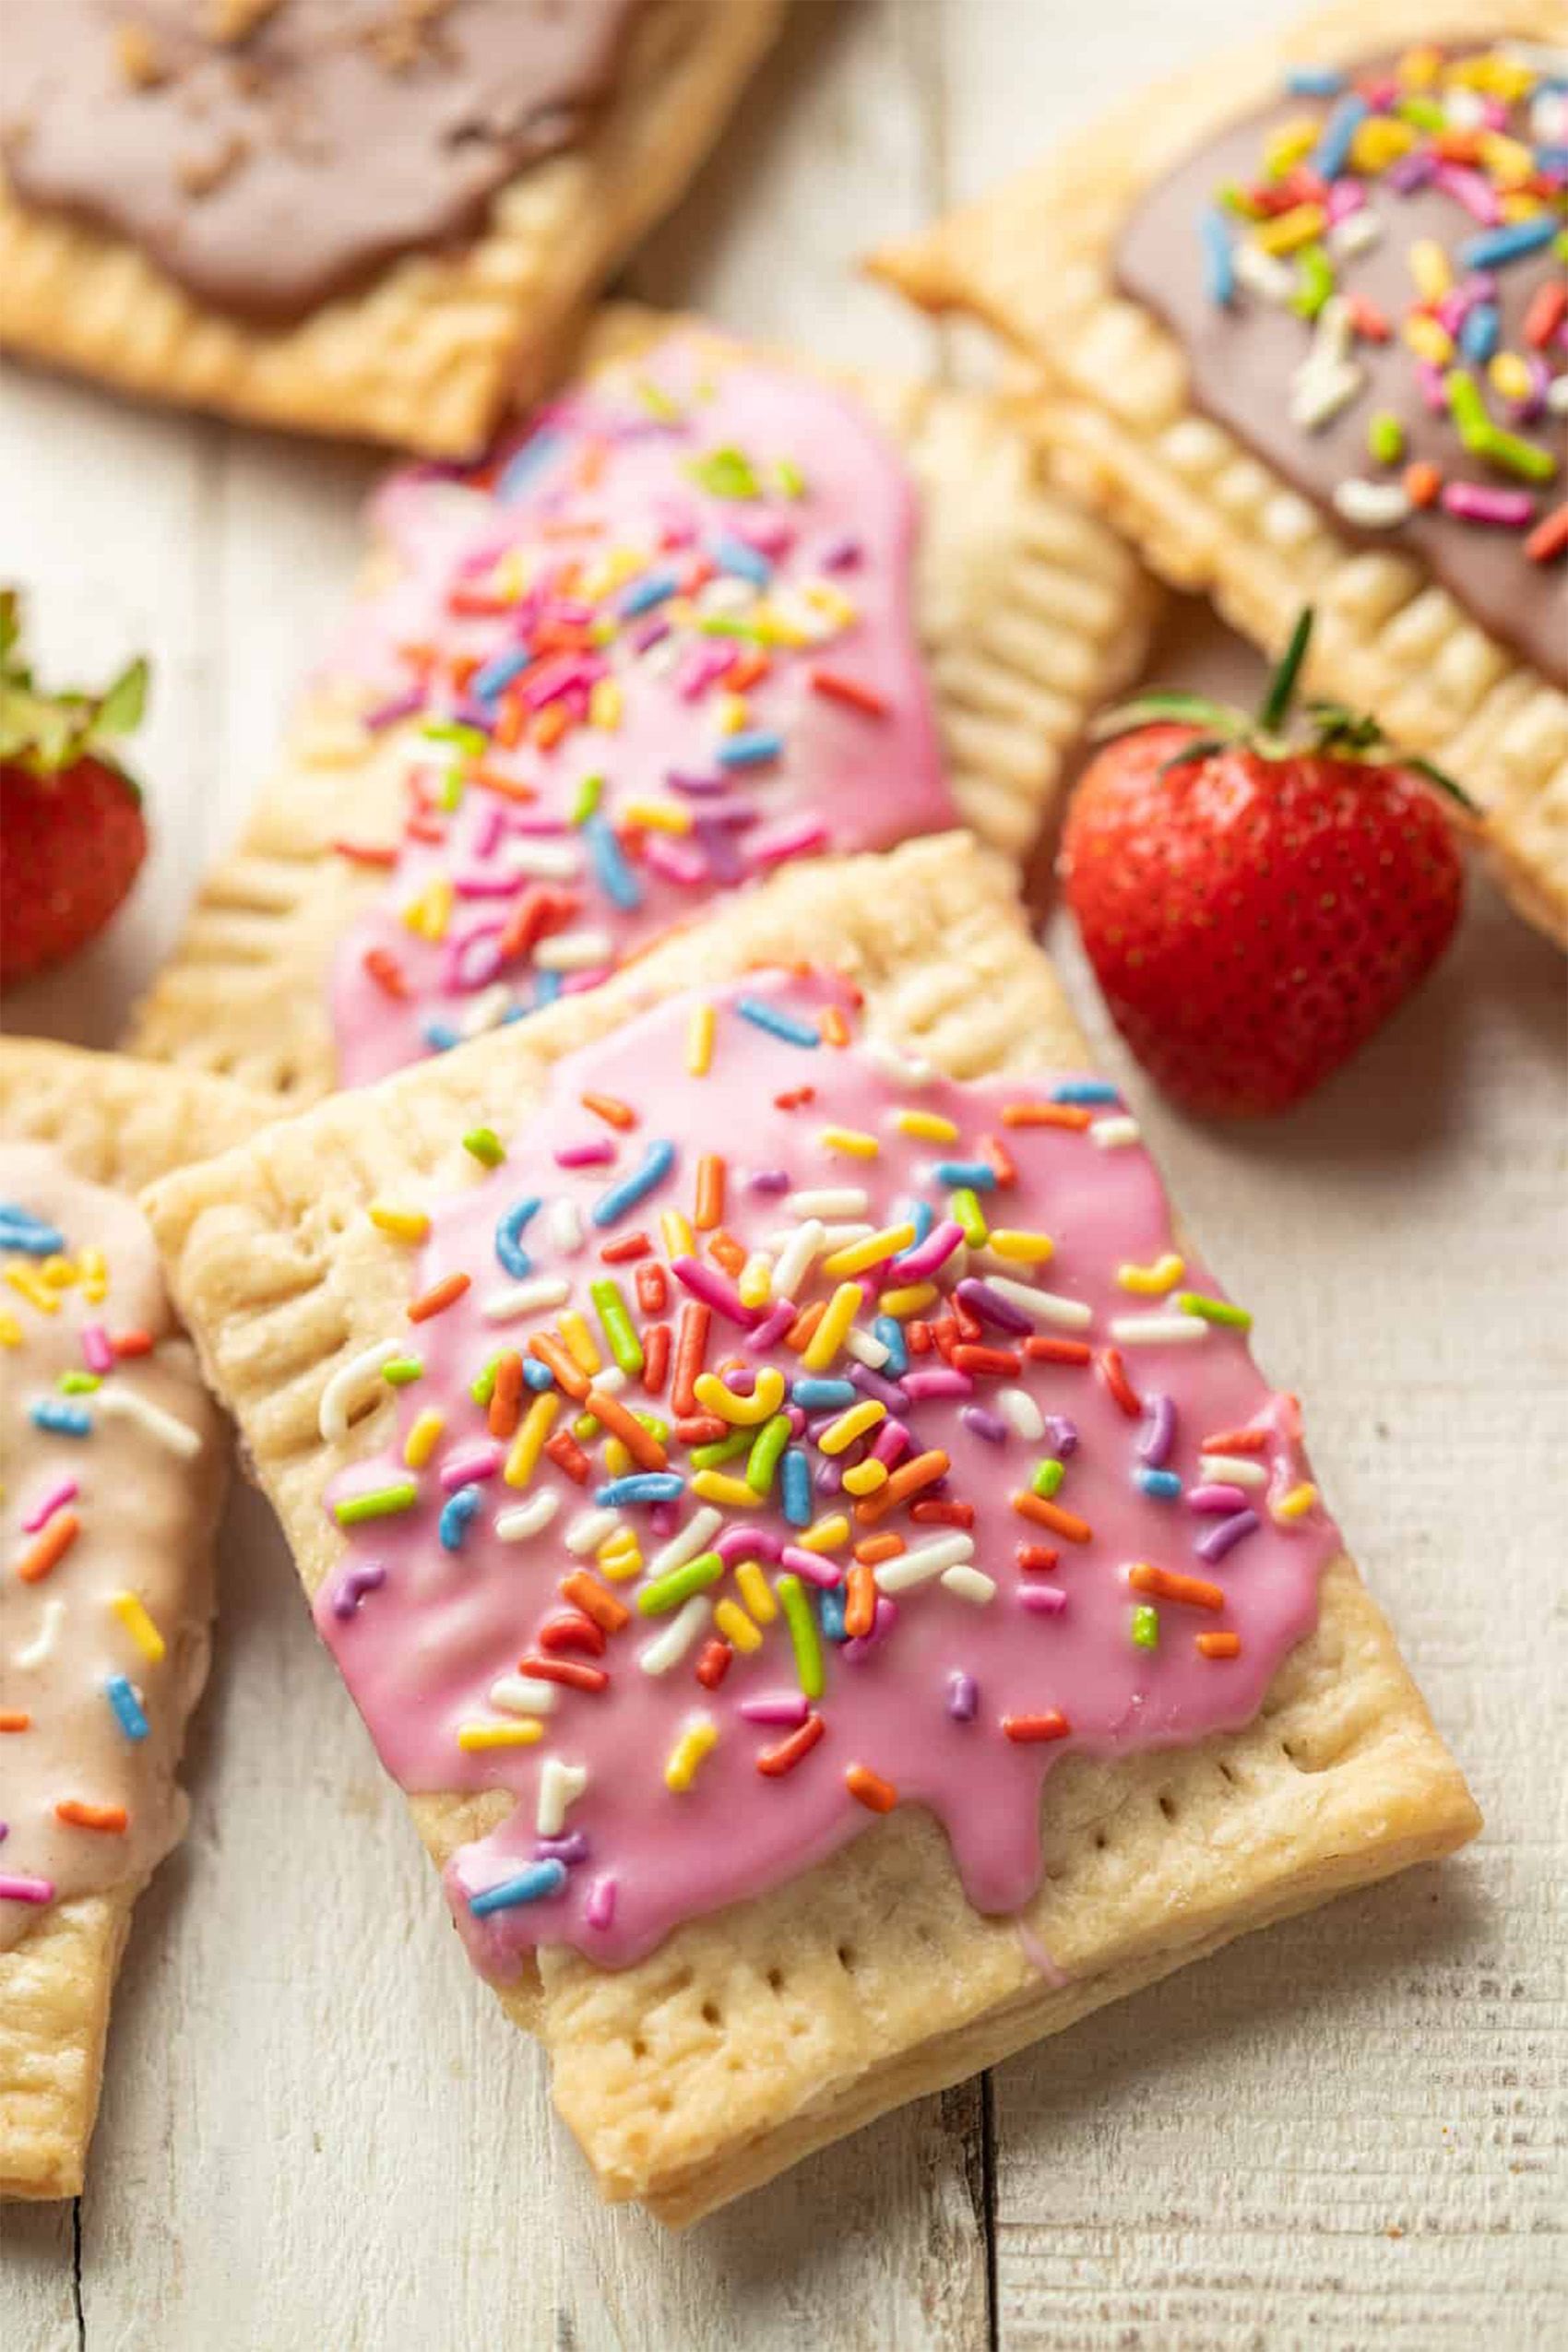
[559,1785]
[1466,108]
[486,1010]
[1318,391]
[1557,396]
[1020,1412]
[515,1527]
[522,1694]
[1357,233]
[919,1566]
[1372,505]
[548,860]
[1108,1133]
[1263,273]
[574,951]
[332,1415]
[175,1434]
[611,1379]
[564,1219]
[842,1200]
[1151,1331]
[686,1542]
[728,592]
[588,1530]
[866,1348]
[1334,332]
[523,1298]
[1045,1306]
[672,1643]
[662,655]
[795,1256]
[38,1650]
[1231,1469]
[970,1584]
[905,1069]
[839,1237]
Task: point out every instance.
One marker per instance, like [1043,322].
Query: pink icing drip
[421,1651]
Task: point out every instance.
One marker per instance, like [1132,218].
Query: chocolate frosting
[1242,359]
[268,154]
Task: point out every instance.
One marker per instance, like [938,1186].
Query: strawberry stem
[1282,687]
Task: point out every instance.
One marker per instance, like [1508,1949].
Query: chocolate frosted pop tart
[1304,314]
[113,1459]
[800,1522]
[373,218]
[704,614]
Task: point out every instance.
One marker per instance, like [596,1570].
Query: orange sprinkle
[1050,1725]
[691,1351]
[934,1513]
[1368,320]
[508,785]
[85,1817]
[506,1397]
[131,1343]
[1423,482]
[725,1251]
[870,1548]
[777,1761]
[1550,536]
[656,1357]
[385,972]
[551,725]
[1235,1441]
[924,1469]
[838,688]
[15,1719]
[709,1209]
[918,1333]
[640,1443]
[860,1605]
[441,1295]
[48,1550]
[1114,1374]
[606,1107]
[753,666]
[1218,1645]
[568,1372]
[1548,305]
[795,1098]
[595,1600]
[368,853]
[1050,1514]
[653,1289]
[1043,1350]
[877,1795]
[1044,1114]
[832,1027]
[1166,1584]
[805,1323]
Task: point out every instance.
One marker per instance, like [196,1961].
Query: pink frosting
[800,522]
[421,1644]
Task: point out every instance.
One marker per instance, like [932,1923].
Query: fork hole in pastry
[847,1958]
[1166,1804]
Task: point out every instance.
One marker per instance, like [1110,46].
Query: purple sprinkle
[775,1707]
[600,1909]
[895,1394]
[572,1847]
[827,1476]
[1154,1444]
[842,557]
[769,1180]
[856,1652]
[1219,1539]
[387,714]
[697,788]
[353,1585]
[943,1380]
[649,633]
[1410,173]
[990,1307]
[1046,1600]
[724,861]
[741,1381]
[990,1426]
[963,1697]
[1061,1435]
[1216,1498]
[748,1543]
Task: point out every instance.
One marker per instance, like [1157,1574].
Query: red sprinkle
[653,1289]
[838,688]
[385,971]
[986,1359]
[1550,536]
[714,1664]
[934,1513]
[656,1357]
[1051,1725]
[568,1455]
[795,1099]
[563,1670]
[1036,1556]
[783,1758]
[1042,1350]
[690,1348]
[1549,306]
[1114,1374]
[918,1335]
[571,1631]
[131,1343]
[369,853]
[630,1245]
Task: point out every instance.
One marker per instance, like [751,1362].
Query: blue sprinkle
[820,1395]
[546,988]
[1328,157]
[657,1161]
[539,1879]
[439,1036]
[924,1217]
[457,1513]
[611,872]
[508,1229]
[514,1013]
[498,672]
[19,1230]
[1084,1090]
[890,1331]
[643,1486]
[61,1421]
[733,555]
[795,1479]
[1479,334]
[651,589]
[750,748]
[539,451]
[830,1607]
[979,1174]
[1508,244]
[1313,81]
[763,1015]
[1219,274]
[1163,1483]
[126,1705]
[538,1376]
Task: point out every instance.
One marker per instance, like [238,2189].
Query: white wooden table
[316,2134]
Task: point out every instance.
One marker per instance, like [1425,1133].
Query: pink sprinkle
[700,669]
[893,1442]
[461,1469]
[825,1574]
[97,1354]
[580,983]
[1346,196]
[664,1519]
[28,1889]
[55,1500]
[488,885]
[1514,509]
[808,831]
[1046,1600]
[556,678]
[1478,195]
[772,1326]
[715,1292]
[676,861]
[935,1250]
[942,1381]
[488,832]
[775,1707]
[1216,1498]
[600,1909]
[538,827]
[769,534]
[472,959]
[1433,390]
[748,1543]
[598,1152]
[855,1652]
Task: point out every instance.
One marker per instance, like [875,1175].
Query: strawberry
[1255,906]
[72,836]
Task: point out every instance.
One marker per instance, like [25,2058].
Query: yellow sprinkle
[1428,338]
[617,1460]
[95,1277]
[1380,142]
[755,1591]
[619,1565]
[772,626]
[419,1444]
[855,1256]
[694,1743]
[830,1333]
[23,1278]
[430,911]
[929,1125]
[58,1272]
[865,1477]
[741,1412]
[699,1042]
[605,703]
[735,1625]
[826,1534]
[10,1330]
[529,1444]
[580,1340]
[1008,1242]
[679,1241]
[907,1301]
[755,1283]
[1506,159]
[1289,143]
[1419,68]
[658,816]
[128,1609]
[1300,1499]
[1430,268]
[850,1139]
[1289,230]
[401,1224]
[712,1485]
[733,711]
[1151,1280]
[850,1424]
[1508,376]
[475,1736]
[1515,205]
[831,601]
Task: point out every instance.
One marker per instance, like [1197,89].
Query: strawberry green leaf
[123,706]
[1157,709]
[1201,747]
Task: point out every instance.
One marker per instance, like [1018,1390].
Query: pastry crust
[119,1123]
[430,353]
[1112,405]
[764,2030]
[1029,613]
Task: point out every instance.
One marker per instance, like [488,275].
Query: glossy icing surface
[672,1680]
[657,646]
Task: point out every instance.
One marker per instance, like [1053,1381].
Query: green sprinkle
[616,1325]
[403,1369]
[78,1384]
[1385,438]
[669,1592]
[791,481]
[380,1503]
[658,403]
[724,625]
[723,1449]
[1315,282]
[1560,245]
[725,473]
[585,1428]
[801,1621]
[482,1389]
[452,731]
[1516,454]
[654,1426]
[1049,1475]
[1193,1302]
[1146,1627]
[767,1446]
[589,794]
[486,1145]
[1426,114]
[451,794]
[966,1210]
[1467,408]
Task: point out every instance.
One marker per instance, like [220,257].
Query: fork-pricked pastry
[113,1466]
[374,219]
[808,1537]
[1300,319]
[704,614]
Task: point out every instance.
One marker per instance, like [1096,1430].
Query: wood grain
[313,2132]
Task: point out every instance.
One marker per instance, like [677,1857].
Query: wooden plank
[38,2305]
